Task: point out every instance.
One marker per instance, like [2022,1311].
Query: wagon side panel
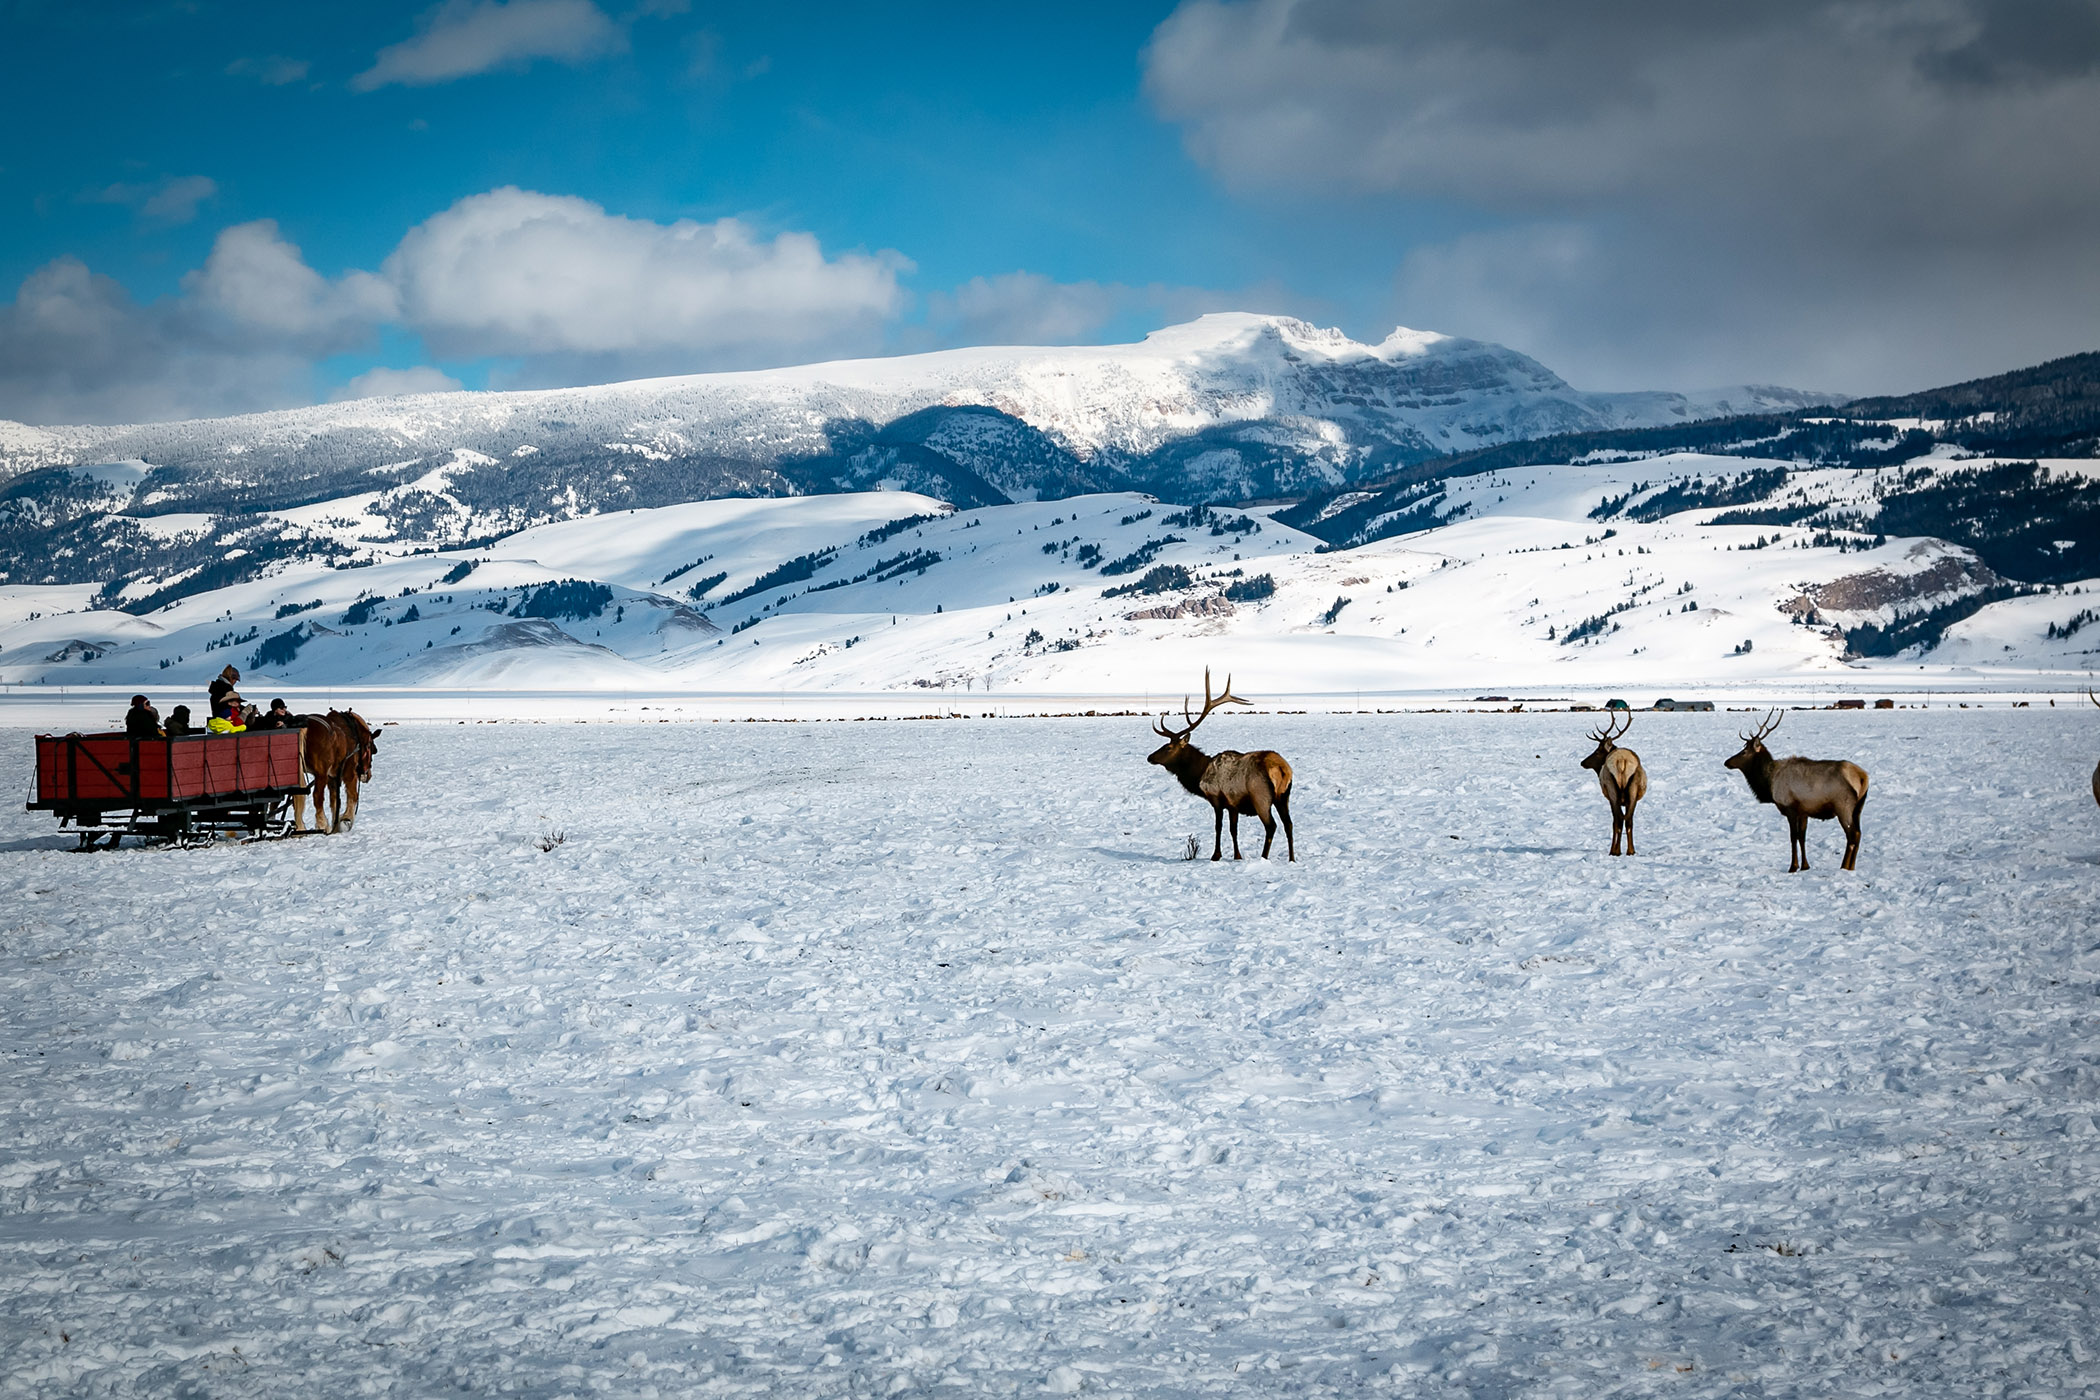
[153,770]
[51,785]
[98,768]
[281,749]
[187,777]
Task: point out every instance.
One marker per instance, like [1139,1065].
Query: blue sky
[215,206]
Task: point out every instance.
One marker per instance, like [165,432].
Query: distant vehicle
[1850,705]
[1617,705]
[1668,704]
[1884,704]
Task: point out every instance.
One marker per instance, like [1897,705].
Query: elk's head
[1754,744]
[1178,739]
[1607,740]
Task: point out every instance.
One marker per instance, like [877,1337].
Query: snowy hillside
[1543,578]
[1228,405]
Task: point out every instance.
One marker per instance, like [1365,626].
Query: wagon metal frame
[187,789]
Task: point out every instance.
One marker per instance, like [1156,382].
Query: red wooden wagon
[175,789]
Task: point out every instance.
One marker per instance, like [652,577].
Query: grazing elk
[1803,788]
[1242,784]
[1620,774]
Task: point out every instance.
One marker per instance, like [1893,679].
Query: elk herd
[1258,784]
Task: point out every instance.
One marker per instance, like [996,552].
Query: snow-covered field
[835,1059]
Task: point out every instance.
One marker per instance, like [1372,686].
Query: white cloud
[1025,308]
[75,348]
[258,280]
[243,335]
[1865,170]
[566,291]
[381,382]
[170,201]
[464,37]
[512,272]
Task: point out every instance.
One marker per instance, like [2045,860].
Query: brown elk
[1243,784]
[1620,774]
[2096,767]
[1803,788]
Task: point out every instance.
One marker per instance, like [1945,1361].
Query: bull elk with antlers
[1620,774]
[1254,784]
[1803,788]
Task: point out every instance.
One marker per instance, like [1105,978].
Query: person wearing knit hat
[226,714]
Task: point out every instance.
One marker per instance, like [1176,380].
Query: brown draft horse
[336,751]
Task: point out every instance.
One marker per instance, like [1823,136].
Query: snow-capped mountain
[1228,407]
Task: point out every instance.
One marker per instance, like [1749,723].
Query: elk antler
[2092,697]
[1226,697]
[1611,730]
[1771,723]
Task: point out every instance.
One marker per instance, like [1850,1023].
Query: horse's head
[363,737]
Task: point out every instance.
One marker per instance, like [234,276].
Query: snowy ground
[852,1059]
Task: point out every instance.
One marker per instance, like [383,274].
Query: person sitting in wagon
[179,722]
[278,716]
[223,685]
[227,713]
[142,721]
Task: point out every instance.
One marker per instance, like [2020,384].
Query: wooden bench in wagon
[185,789]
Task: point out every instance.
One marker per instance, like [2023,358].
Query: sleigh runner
[184,788]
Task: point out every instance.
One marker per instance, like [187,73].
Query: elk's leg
[1283,810]
[1852,838]
[1217,831]
[1262,808]
[1618,821]
[1797,848]
[1235,811]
